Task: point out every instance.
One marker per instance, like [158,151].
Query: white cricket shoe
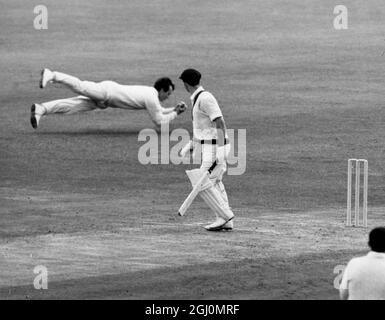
[228,226]
[37,111]
[46,76]
[216,225]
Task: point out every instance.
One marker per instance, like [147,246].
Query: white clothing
[205,111]
[106,94]
[364,277]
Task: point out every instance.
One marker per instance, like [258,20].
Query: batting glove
[187,148]
[221,154]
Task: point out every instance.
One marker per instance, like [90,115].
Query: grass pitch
[74,198]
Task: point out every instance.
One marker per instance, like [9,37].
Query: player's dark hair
[377,239]
[164,83]
[191,77]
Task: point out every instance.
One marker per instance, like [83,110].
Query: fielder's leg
[62,106]
[93,90]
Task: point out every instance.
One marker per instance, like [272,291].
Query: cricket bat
[197,188]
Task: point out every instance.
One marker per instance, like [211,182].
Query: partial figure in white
[209,131]
[107,94]
[364,277]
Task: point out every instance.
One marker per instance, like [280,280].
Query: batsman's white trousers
[213,192]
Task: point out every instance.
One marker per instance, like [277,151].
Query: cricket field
[75,199]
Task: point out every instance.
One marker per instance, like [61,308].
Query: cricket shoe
[217,225]
[46,76]
[228,226]
[37,111]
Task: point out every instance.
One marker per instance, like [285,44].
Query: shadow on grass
[302,277]
[92,132]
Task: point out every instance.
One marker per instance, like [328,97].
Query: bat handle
[212,166]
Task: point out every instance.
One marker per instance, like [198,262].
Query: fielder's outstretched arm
[167,110]
[158,117]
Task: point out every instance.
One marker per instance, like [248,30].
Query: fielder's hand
[180,107]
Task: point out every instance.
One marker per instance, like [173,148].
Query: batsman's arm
[221,130]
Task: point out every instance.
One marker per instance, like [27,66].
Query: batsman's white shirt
[205,111]
[364,277]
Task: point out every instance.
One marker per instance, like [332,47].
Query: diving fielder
[107,94]
[209,131]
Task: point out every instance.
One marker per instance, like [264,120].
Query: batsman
[209,131]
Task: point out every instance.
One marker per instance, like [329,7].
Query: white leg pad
[195,174]
[213,194]
[214,200]
[222,190]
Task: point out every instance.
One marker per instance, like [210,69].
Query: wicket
[356,163]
